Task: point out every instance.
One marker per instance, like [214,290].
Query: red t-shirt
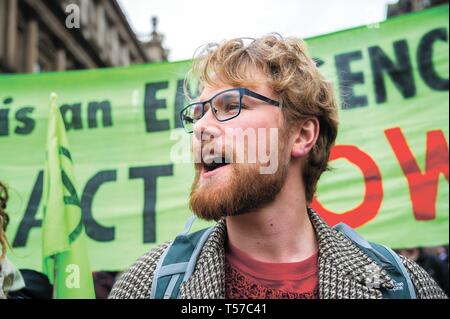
[248,278]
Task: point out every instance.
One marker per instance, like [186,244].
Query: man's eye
[232,106]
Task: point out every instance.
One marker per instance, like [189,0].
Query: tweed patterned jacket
[343,270]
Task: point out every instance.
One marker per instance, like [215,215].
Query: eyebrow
[248,99]
[215,94]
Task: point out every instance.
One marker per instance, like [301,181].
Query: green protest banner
[390,177]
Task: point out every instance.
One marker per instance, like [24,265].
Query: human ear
[305,137]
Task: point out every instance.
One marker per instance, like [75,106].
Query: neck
[280,232]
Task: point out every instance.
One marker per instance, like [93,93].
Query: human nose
[207,126]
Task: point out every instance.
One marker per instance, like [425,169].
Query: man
[268,243]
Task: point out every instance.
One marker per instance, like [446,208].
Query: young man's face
[252,145]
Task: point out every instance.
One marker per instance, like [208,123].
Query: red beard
[247,189]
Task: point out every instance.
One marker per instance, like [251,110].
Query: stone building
[406,6]
[58,35]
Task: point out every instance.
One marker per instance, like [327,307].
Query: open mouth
[212,164]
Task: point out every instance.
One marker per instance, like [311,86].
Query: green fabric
[64,249]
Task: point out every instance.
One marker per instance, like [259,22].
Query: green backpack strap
[177,263]
[388,260]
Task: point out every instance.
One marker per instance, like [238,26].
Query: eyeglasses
[226,105]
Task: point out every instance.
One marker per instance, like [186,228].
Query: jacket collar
[345,271]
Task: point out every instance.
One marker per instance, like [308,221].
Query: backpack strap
[388,260]
[178,261]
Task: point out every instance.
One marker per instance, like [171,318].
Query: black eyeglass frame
[242,93]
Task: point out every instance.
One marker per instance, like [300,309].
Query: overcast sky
[189,24]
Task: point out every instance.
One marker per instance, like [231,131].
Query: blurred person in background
[15,283]
[103,283]
[10,278]
[441,252]
[430,260]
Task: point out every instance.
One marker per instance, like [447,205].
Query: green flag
[65,257]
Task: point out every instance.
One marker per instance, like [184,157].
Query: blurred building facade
[407,6]
[153,44]
[59,35]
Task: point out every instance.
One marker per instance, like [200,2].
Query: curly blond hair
[292,75]
[4,219]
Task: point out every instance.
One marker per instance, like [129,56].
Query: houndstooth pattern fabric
[208,279]
[426,287]
[344,270]
[135,283]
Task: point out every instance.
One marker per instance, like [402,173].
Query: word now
[423,186]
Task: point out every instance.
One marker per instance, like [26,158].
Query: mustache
[210,153]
